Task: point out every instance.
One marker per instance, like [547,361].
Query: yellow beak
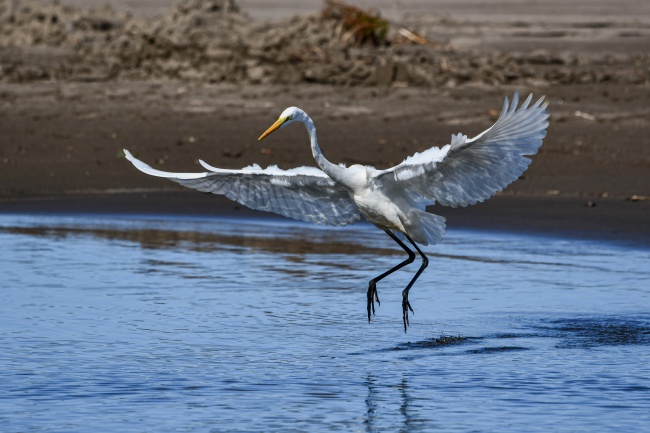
[273,127]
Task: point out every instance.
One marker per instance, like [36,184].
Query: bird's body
[380,210]
[462,173]
[373,203]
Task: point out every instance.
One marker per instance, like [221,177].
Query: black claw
[372,295]
[406,306]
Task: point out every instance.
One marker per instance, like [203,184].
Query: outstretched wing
[466,171]
[304,193]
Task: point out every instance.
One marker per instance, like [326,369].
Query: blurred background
[174,81]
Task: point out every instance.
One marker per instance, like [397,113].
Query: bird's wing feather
[303,193]
[468,171]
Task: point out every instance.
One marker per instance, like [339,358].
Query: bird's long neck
[332,170]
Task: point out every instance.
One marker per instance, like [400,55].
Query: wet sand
[614,220]
[61,142]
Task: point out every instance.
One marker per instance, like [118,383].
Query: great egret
[462,173]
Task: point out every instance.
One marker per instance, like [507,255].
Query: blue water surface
[136,324]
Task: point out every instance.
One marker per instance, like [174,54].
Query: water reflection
[405,400]
[294,240]
[379,411]
[204,241]
[371,403]
[248,326]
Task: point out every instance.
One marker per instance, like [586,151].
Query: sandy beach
[65,118]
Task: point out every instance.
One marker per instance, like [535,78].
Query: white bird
[462,173]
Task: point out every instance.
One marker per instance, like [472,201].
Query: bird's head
[288,116]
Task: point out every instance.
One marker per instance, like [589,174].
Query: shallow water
[161,324]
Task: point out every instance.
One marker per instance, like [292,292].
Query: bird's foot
[372,297]
[406,306]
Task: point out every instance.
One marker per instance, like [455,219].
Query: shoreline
[61,149]
[614,220]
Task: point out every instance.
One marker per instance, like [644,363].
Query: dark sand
[61,140]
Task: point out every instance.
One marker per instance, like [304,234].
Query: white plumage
[462,173]
[304,193]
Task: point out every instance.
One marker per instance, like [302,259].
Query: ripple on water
[153,324]
[586,332]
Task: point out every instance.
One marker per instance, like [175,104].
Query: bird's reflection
[371,402]
[404,406]
[374,399]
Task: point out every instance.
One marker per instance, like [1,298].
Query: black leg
[372,286]
[406,305]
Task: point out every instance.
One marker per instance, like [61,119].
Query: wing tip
[206,165]
[515,100]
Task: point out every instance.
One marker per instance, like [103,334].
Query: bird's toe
[406,306]
[372,296]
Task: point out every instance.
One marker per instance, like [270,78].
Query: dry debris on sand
[215,41]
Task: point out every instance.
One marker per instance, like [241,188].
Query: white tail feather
[425,228]
[434,227]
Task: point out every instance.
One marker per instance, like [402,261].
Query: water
[153,324]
